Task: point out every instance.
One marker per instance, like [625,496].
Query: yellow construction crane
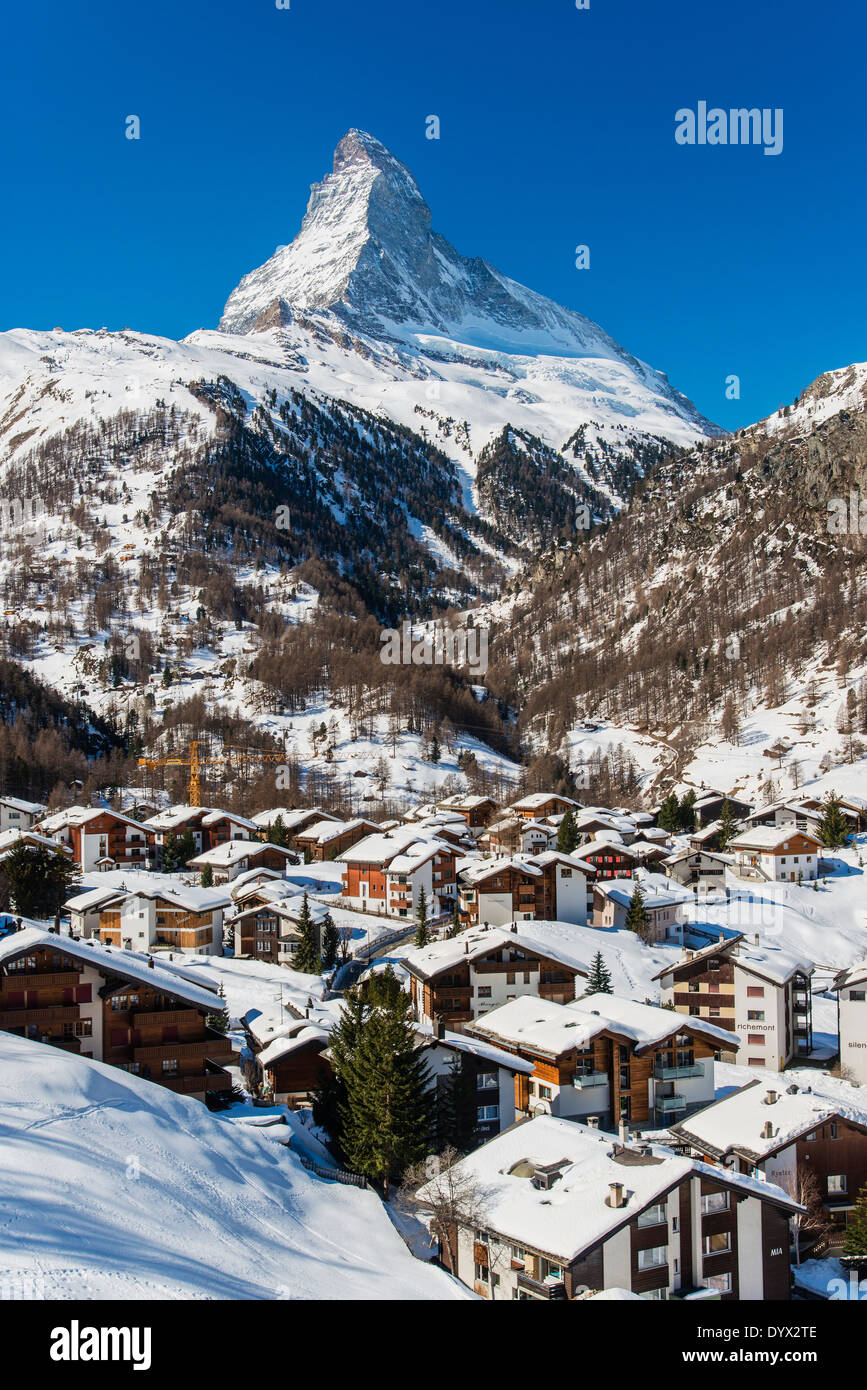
[195,763]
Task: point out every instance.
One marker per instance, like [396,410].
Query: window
[755,1061]
[653,1216]
[755,1015]
[484,991]
[755,991]
[721,1282]
[487,1081]
[170,1064]
[481,1272]
[655,1295]
[857,996]
[836,1184]
[693,987]
[713,1202]
[484,1113]
[717,1244]
[545,1092]
[654,1257]
[755,1040]
[510,977]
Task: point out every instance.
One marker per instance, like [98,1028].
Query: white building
[777,854]
[851,987]
[19,815]
[565,1209]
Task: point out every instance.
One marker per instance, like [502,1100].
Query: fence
[333,1174]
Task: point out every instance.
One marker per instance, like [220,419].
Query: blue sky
[557,130]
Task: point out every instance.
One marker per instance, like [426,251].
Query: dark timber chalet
[564,1208]
[458,979]
[785,1134]
[608,1058]
[114,1007]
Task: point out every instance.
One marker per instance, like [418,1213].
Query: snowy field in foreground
[111,1187]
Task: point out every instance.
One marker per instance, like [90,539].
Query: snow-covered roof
[288,907]
[479,941]
[10,838]
[31,808]
[537,799]
[80,815]
[715,949]
[852,975]
[290,818]
[531,864]
[462,1042]
[93,898]
[128,964]
[384,846]
[621,891]
[573,1214]
[215,816]
[322,831]
[769,837]
[234,851]
[283,1046]
[738,1121]
[254,878]
[772,963]
[610,841]
[647,1025]
[539,1025]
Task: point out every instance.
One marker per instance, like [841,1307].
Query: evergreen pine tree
[567,835]
[186,848]
[388,1113]
[38,880]
[329,1098]
[668,818]
[727,824]
[422,934]
[206,878]
[686,813]
[170,859]
[636,917]
[455,1107]
[277,832]
[330,943]
[599,979]
[833,829]
[306,958]
[454,926]
[855,1239]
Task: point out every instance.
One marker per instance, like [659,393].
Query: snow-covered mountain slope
[112,1188]
[735,612]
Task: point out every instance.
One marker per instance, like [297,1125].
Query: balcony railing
[675,1073]
[667,1104]
[583,1079]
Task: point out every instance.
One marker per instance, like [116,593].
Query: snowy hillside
[111,1187]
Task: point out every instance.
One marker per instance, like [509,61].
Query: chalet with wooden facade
[800,1139]
[538,805]
[515,835]
[235,857]
[609,858]
[458,979]
[329,839]
[267,927]
[176,917]
[548,887]
[762,994]
[477,812]
[114,1007]
[565,1209]
[99,838]
[16,814]
[208,826]
[608,1057]
[784,855]
[385,873]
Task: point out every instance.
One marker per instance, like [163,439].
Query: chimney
[515,927]
[592,1121]
[615,1194]
[624,1132]
[756,938]
[150,962]
[768,1130]
[771,1098]
[721,938]
[439,1029]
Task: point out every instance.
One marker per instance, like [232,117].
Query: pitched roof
[432,960]
[111,960]
[737,1121]
[573,1215]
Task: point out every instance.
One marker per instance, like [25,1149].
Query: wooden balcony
[36,979]
[507,967]
[217,1046]
[201,1081]
[18,1018]
[166,1019]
